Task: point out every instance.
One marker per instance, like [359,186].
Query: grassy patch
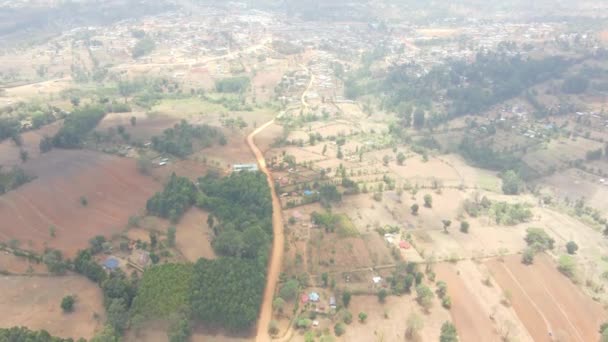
[187,107]
[345,227]
[489,183]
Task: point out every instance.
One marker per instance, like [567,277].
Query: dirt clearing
[193,237]
[35,302]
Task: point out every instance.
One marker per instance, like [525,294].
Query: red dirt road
[276,258]
[472,322]
[546,301]
[112,185]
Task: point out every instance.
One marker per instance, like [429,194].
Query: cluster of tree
[405,276]
[484,156]
[227,292]
[538,241]
[509,214]
[594,154]
[143,47]
[575,85]
[9,128]
[179,139]
[242,206]
[232,84]
[76,126]
[163,290]
[11,180]
[25,334]
[178,196]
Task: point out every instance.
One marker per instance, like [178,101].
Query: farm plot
[34,302]
[146,125]
[550,306]
[79,193]
[559,152]
[380,328]
[575,184]
[10,153]
[193,238]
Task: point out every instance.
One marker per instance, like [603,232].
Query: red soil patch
[112,185]
[546,301]
[9,152]
[146,126]
[472,323]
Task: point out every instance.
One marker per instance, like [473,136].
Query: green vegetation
[232,85]
[11,180]
[163,290]
[567,266]
[143,47]
[289,290]
[76,126]
[571,247]
[575,85]
[424,296]
[512,184]
[448,333]
[338,223]
[9,128]
[483,156]
[538,239]
[67,303]
[16,334]
[227,292]
[179,140]
[510,214]
[178,196]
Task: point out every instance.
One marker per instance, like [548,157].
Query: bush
[446,302]
[347,317]
[339,329]
[464,227]
[448,333]
[289,290]
[538,239]
[67,303]
[428,201]
[567,266]
[527,256]
[232,85]
[571,247]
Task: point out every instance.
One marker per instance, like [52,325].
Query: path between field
[274,265]
[547,324]
[312,78]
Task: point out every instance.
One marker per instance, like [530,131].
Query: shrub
[571,247]
[464,227]
[339,329]
[67,303]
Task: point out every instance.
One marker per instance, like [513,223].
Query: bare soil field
[113,187]
[40,89]
[35,302]
[193,238]
[398,309]
[146,126]
[575,184]
[546,301]
[471,319]
[559,152]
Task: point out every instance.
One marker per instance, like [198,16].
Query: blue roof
[111,263]
[313,296]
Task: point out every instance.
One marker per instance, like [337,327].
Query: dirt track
[274,266]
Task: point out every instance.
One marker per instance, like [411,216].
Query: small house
[314,297]
[304,298]
[332,302]
[111,264]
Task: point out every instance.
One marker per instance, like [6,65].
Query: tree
[464,227]
[23,155]
[133,121]
[567,266]
[442,288]
[179,328]
[362,317]
[107,334]
[424,296]
[67,303]
[571,247]
[538,239]
[289,290]
[278,304]
[448,333]
[446,225]
[46,144]
[428,201]
[408,281]
[414,208]
[339,329]
[171,236]
[347,317]
[382,294]
[75,101]
[118,315]
[512,184]
[527,256]
[446,302]
[346,298]
[414,324]
[400,158]
[325,279]
[386,160]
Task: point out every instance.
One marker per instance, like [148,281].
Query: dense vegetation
[163,289]
[18,334]
[178,196]
[179,139]
[11,180]
[227,292]
[9,128]
[232,85]
[76,126]
[143,47]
